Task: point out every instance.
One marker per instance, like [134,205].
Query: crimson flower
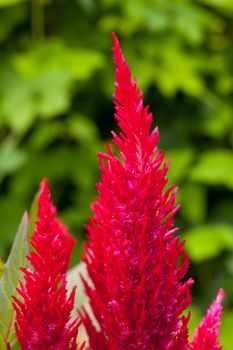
[207,333]
[43,309]
[134,259]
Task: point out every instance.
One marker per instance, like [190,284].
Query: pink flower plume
[207,333]
[134,259]
[43,309]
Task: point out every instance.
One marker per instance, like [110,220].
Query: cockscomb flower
[207,333]
[43,309]
[134,259]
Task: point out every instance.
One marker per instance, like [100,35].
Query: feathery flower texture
[207,333]
[43,308]
[136,263]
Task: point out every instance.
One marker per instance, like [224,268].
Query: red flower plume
[207,333]
[134,260]
[43,309]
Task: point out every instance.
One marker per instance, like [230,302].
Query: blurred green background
[56,111]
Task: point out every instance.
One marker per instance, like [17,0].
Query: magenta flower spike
[207,333]
[43,309]
[134,259]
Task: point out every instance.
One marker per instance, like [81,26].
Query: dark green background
[56,111]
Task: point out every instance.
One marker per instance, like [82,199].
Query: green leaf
[16,346]
[226,334]
[178,71]
[83,129]
[53,93]
[193,202]
[42,87]
[18,101]
[180,160]
[11,158]
[214,168]
[225,5]
[53,55]
[45,134]
[1,267]
[2,342]
[5,3]
[46,96]
[151,15]
[217,122]
[208,241]
[10,279]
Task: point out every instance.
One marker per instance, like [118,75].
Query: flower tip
[27,217]
[114,38]
[220,296]
[44,192]
[116,45]
[44,184]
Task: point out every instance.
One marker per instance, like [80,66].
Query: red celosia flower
[43,313]
[207,333]
[134,260]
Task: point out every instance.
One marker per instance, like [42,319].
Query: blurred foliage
[56,84]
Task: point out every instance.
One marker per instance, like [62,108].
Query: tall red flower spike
[207,333]
[43,309]
[134,260]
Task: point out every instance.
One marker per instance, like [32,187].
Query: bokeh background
[56,112]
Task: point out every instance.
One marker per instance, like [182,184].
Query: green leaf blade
[2,342]
[206,242]
[10,279]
